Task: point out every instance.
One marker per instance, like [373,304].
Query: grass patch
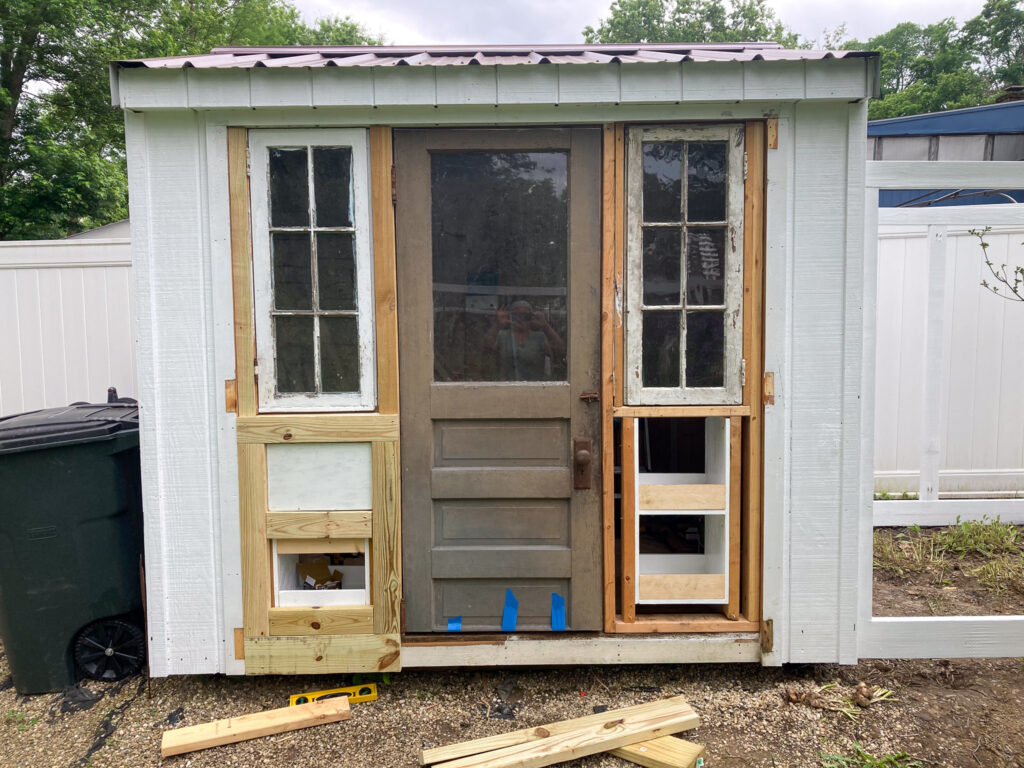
[19,720]
[861,758]
[986,538]
[1002,574]
[905,552]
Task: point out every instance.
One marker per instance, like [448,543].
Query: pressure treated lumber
[681,586]
[452,752]
[234,729]
[665,752]
[616,730]
[682,497]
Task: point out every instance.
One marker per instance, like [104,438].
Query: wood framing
[608,216]
[618,324]
[319,525]
[680,411]
[319,546]
[674,623]
[669,586]
[627,555]
[322,654]
[386,560]
[384,283]
[319,428]
[732,608]
[352,619]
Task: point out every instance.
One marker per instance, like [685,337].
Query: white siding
[65,311]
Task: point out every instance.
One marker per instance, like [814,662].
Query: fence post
[932,370]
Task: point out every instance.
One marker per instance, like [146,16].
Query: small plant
[1002,574]
[861,758]
[987,538]
[1011,277]
[19,720]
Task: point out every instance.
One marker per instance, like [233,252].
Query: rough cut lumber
[232,729]
[666,752]
[684,718]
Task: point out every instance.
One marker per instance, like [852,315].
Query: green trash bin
[70,545]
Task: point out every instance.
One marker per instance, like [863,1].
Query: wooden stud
[627,556]
[317,428]
[528,735]
[241,270]
[231,396]
[252,508]
[239,643]
[768,389]
[318,524]
[772,126]
[681,586]
[732,608]
[386,560]
[384,282]
[664,752]
[680,411]
[685,623]
[344,620]
[753,353]
[322,654]
[608,216]
[681,497]
[322,546]
[234,729]
[618,336]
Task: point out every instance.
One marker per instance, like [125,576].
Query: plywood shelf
[679,498]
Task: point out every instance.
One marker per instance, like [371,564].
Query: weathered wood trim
[732,608]
[386,559]
[686,623]
[347,620]
[627,507]
[322,654]
[680,411]
[608,216]
[319,546]
[753,352]
[252,509]
[241,270]
[385,290]
[318,524]
[619,255]
[320,428]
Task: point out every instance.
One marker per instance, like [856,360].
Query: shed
[550,354]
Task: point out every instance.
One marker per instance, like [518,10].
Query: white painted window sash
[260,142]
[732,310]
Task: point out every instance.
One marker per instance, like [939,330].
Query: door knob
[582,461]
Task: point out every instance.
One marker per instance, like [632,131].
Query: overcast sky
[415,22]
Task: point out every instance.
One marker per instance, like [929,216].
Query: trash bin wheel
[110,649]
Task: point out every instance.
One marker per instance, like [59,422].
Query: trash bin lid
[75,423]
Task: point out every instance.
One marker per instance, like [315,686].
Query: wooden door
[498,238]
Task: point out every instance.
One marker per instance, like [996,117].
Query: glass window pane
[705,349]
[660,349]
[705,266]
[293,342]
[336,270]
[289,188]
[500,226]
[661,265]
[293,271]
[332,186]
[705,180]
[663,173]
[339,354]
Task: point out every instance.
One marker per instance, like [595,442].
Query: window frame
[731,393]
[260,143]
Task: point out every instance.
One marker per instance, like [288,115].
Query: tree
[690,21]
[61,143]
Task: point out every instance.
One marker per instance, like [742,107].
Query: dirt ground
[956,713]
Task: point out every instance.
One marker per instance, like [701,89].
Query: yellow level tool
[355,693]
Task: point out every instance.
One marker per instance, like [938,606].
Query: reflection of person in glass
[525,343]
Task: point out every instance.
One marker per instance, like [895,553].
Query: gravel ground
[958,713]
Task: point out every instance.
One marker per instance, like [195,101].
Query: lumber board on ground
[677,704]
[665,752]
[234,729]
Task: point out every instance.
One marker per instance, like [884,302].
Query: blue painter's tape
[557,612]
[511,612]
[455,624]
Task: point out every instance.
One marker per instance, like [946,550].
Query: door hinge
[743,372]
[745,164]
[394,186]
[767,640]
[248,162]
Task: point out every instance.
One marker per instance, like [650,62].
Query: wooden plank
[682,497]
[346,620]
[528,735]
[732,608]
[685,623]
[663,752]
[752,458]
[615,730]
[235,729]
[772,128]
[230,396]
[320,524]
[239,643]
[608,216]
[949,174]
[319,428]
[618,326]
[680,411]
[252,510]
[322,654]
[386,562]
[627,507]
[681,586]
[384,277]
[241,269]
[319,546]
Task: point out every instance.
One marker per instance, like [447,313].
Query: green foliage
[62,163]
[862,759]
[690,21]
[986,538]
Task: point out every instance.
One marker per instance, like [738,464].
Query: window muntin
[684,265]
[312,270]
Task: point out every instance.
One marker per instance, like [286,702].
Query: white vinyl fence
[980,415]
[66,331]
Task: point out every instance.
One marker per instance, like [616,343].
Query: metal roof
[463,55]
[1007,117]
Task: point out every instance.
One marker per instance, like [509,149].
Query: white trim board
[946,512]
[968,216]
[937,637]
[944,174]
